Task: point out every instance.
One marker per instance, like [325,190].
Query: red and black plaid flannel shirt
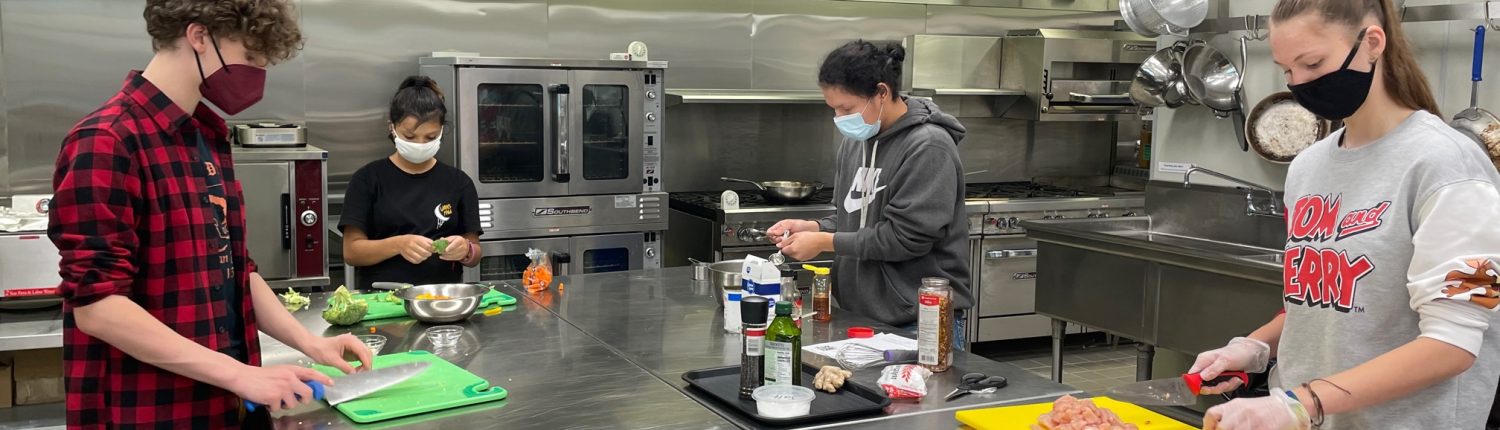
[130,217]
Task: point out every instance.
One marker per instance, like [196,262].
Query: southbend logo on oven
[562,211]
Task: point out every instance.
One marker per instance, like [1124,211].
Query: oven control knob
[651,116]
[651,95]
[728,231]
[1103,214]
[1129,213]
[309,218]
[1012,223]
[650,252]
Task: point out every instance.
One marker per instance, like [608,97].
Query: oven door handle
[560,126]
[1010,253]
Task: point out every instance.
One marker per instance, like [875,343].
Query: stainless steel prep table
[664,323]
[608,351]
[557,377]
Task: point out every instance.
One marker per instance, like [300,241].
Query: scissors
[978,383]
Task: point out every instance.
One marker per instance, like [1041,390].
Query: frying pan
[1258,142]
[782,192]
[1477,123]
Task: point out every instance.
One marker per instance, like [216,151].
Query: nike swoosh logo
[853,204]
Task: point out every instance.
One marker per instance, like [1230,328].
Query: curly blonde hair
[268,28]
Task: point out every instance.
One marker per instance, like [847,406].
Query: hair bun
[420,81]
[895,52]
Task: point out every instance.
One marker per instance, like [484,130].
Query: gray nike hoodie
[904,222]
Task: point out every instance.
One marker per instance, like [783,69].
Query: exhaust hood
[960,73]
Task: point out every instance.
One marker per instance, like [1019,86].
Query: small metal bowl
[462,301]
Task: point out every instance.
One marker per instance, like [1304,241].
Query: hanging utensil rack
[1490,10]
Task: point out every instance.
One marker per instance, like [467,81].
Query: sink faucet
[1271,208]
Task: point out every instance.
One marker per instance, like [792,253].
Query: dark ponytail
[418,97]
[859,66]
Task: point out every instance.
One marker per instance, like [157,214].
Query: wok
[1215,82]
[782,192]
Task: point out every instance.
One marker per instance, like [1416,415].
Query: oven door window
[606,132]
[503,267]
[511,145]
[606,260]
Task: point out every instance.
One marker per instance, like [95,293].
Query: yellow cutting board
[1023,416]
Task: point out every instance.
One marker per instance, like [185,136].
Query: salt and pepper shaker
[753,310]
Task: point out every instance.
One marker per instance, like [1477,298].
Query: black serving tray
[722,384]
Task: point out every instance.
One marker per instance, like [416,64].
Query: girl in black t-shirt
[397,207]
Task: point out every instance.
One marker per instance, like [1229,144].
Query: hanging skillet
[1476,122]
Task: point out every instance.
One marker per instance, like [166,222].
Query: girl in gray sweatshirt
[1390,270]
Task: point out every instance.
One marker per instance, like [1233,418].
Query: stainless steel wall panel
[758,142]
[706,41]
[791,37]
[64,58]
[996,149]
[996,21]
[359,50]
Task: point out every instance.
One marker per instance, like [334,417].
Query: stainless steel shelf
[1433,13]
[728,96]
[934,92]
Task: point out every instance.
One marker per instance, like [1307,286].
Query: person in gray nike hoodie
[899,192]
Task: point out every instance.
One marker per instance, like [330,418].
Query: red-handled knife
[1181,391]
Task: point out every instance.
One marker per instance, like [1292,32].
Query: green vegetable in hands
[439,246]
[344,309]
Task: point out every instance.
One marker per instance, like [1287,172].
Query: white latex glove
[1242,353]
[1275,412]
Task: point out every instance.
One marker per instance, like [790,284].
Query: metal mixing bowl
[462,301]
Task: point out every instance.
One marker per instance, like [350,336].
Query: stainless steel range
[566,156]
[702,229]
[1004,259]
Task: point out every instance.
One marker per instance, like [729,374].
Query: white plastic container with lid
[783,401]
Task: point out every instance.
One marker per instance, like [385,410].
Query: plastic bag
[904,381]
[538,275]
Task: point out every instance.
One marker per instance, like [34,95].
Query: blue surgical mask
[853,125]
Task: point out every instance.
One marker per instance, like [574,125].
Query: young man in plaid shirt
[162,304]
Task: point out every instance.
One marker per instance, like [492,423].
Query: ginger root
[830,378]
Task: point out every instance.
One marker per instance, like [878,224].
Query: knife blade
[1180,391]
[356,385]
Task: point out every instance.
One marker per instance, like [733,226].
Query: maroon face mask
[235,87]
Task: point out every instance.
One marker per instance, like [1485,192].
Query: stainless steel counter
[557,377]
[608,351]
[663,322]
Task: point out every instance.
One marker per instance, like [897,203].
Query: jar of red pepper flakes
[935,324]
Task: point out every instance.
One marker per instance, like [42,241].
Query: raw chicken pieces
[1070,413]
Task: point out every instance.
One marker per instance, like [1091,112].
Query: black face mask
[1339,94]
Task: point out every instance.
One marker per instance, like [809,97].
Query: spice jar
[935,325]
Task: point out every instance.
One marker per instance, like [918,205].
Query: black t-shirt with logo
[384,201]
[222,284]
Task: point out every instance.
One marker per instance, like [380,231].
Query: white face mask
[416,153]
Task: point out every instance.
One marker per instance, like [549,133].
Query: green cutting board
[442,386]
[381,309]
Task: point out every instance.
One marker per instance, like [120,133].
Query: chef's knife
[356,385]
[1180,391]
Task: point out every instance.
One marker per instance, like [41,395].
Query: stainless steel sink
[1139,237]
